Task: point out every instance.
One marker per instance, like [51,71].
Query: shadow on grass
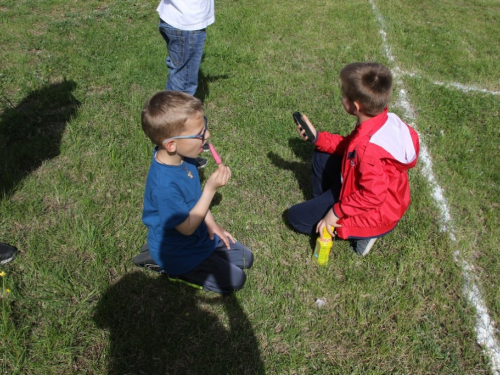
[301,169]
[31,132]
[203,90]
[160,327]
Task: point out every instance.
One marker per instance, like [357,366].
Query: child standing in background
[182,26]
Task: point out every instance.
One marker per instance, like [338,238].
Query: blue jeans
[185,50]
[326,185]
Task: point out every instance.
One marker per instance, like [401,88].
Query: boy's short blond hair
[165,114]
[369,84]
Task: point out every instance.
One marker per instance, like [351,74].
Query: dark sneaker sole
[201,163]
[5,261]
[153,267]
[8,253]
[144,260]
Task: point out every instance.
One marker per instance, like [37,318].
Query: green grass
[73,161]
[455,42]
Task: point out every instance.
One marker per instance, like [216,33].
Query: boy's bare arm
[197,214]
[214,228]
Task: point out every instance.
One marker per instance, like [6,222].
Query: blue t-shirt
[169,196]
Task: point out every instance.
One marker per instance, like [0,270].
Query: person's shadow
[160,327]
[203,90]
[30,133]
[301,169]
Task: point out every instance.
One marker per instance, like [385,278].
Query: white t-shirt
[187,14]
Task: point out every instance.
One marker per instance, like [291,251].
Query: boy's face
[194,126]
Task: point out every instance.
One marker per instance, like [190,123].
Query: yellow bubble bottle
[323,246]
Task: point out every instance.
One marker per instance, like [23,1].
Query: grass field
[73,160]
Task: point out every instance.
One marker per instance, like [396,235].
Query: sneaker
[206,147]
[144,260]
[363,247]
[7,253]
[201,163]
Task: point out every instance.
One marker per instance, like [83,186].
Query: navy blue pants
[222,272]
[326,184]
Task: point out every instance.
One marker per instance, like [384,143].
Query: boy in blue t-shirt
[183,237]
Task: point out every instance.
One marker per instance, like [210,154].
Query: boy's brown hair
[369,84]
[165,114]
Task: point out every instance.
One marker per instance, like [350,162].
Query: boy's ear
[170,145]
[358,107]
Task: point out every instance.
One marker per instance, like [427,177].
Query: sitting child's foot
[363,247]
[144,260]
[7,253]
[206,147]
[201,163]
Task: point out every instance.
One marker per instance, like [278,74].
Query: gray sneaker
[363,247]
[144,260]
[7,253]
[201,163]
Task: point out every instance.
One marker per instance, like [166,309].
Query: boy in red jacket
[360,182]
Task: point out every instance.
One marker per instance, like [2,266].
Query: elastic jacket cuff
[316,139]
[337,211]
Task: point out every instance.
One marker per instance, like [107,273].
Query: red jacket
[375,190]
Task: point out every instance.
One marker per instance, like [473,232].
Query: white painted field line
[485,329]
[466,88]
[456,85]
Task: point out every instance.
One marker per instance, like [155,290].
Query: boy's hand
[302,132]
[223,235]
[329,221]
[219,178]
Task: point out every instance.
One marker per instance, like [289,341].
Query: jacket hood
[399,140]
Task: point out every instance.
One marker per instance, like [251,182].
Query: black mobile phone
[299,121]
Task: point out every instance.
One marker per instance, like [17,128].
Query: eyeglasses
[197,136]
